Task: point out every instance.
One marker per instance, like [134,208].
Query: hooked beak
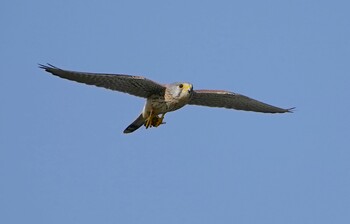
[188,88]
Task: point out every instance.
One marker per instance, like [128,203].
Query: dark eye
[181,85]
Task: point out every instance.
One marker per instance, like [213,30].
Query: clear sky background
[64,158]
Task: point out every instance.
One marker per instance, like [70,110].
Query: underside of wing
[134,85]
[230,100]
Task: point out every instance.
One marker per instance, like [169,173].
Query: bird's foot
[148,122]
[154,121]
[158,121]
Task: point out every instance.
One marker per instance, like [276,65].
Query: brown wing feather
[230,100]
[134,85]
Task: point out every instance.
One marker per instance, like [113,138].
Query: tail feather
[135,125]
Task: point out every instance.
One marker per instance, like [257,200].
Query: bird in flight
[161,99]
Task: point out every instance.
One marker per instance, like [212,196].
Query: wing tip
[47,67]
[290,110]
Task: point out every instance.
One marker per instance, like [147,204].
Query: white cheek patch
[177,92]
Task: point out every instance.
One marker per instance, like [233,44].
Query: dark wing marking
[230,100]
[134,85]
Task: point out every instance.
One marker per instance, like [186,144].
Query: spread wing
[134,85]
[230,100]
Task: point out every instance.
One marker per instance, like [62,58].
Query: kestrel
[161,99]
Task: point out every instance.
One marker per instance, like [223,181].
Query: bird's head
[181,89]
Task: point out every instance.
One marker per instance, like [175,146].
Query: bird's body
[161,99]
[173,99]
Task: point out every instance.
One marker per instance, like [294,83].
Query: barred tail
[135,125]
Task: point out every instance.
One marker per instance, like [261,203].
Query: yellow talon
[149,120]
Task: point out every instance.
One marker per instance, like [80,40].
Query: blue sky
[64,158]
